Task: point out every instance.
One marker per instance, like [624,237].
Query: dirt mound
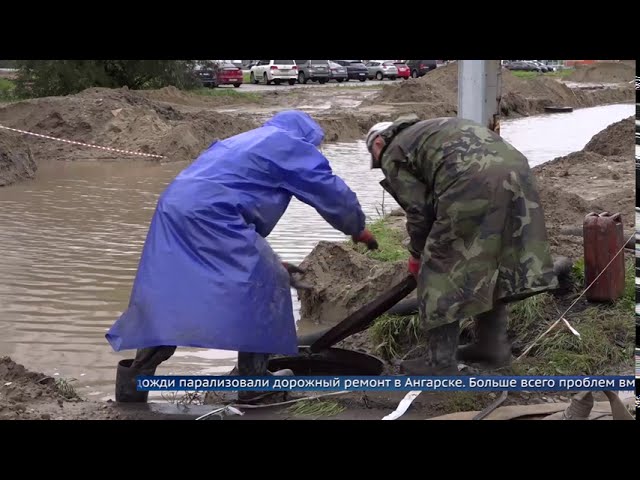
[343,280]
[121,119]
[20,387]
[438,91]
[605,72]
[599,178]
[616,139]
[16,160]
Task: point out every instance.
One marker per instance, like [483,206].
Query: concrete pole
[480,91]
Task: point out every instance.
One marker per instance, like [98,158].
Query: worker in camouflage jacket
[477,232]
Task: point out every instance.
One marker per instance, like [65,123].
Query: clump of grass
[464,401]
[316,407]
[390,248]
[66,389]
[578,271]
[391,335]
[527,316]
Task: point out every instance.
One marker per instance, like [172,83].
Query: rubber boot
[492,347]
[145,364]
[440,358]
[126,391]
[256,365]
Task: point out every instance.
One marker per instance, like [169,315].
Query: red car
[403,70]
[220,73]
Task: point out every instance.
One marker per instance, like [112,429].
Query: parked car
[356,70]
[419,68]
[218,73]
[381,69]
[314,70]
[274,71]
[338,72]
[403,70]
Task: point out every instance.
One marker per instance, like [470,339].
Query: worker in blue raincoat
[207,277]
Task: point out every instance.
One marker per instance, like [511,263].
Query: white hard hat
[375,131]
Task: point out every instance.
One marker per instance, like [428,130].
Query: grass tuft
[66,389]
[316,408]
[392,334]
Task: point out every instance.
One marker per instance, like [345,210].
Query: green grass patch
[393,335]
[559,74]
[233,93]
[390,248]
[316,408]
[7,90]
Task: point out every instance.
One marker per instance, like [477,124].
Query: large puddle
[73,236]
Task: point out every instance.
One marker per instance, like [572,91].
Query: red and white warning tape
[127,152]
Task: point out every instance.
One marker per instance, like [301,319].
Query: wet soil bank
[178,125]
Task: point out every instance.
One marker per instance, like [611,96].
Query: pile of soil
[438,92]
[599,178]
[118,118]
[617,139]
[343,280]
[605,72]
[16,160]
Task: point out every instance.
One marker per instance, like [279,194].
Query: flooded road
[72,239]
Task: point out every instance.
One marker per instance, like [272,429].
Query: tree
[64,77]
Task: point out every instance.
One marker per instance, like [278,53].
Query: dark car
[214,74]
[419,68]
[356,70]
[521,66]
[314,70]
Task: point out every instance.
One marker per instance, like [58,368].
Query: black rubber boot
[126,391]
[492,347]
[255,365]
[441,353]
[145,364]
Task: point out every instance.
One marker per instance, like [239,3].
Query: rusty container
[603,239]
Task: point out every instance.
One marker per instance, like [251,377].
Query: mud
[343,280]
[436,94]
[121,119]
[598,178]
[606,72]
[27,395]
[16,160]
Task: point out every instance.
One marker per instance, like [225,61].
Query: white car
[274,71]
[380,69]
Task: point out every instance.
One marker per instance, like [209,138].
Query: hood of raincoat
[298,124]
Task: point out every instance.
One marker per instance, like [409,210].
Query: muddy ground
[178,125]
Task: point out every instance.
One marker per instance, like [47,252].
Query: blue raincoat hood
[299,125]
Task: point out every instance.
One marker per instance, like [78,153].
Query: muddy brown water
[73,236]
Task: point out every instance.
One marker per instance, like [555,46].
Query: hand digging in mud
[295,283]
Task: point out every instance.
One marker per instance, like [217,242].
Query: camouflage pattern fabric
[473,214]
